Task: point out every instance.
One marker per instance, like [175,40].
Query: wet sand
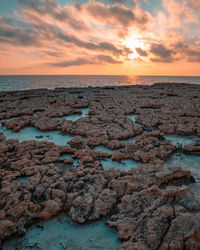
[56,147]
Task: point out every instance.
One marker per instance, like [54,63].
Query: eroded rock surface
[150,206]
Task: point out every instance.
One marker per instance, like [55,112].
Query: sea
[24,82]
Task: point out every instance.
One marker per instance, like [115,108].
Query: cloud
[180,11]
[187,52]
[100,59]
[161,52]
[141,52]
[42,33]
[101,46]
[79,61]
[193,55]
[195,4]
[108,59]
[51,53]
[163,60]
[117,1]
[116,14]
[17,36]
[178,51]
[197,43]
[51,8]
[33,4]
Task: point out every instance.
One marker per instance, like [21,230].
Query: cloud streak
[100,59]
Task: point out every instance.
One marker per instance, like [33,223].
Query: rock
[7,228]
[184,233]
[150,206]
[56,193]
[77,141]
[82,207]
[104,203]
[45,124]
[52,207]
[133,246]
[192,148]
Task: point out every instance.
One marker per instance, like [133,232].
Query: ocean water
[12,83]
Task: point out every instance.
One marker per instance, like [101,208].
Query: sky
[100,37]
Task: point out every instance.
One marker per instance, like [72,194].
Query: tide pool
[128,140]
[123,165]
[31,133]
[66,156]
[22,179]
[191,163]
[104,149]
[74,117]
[181,140]
[132,117]
[75,163]
[61,233]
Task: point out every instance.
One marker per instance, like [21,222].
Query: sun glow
[133,43]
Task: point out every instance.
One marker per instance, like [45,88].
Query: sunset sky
[122,37]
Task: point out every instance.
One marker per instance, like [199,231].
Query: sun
[133,43]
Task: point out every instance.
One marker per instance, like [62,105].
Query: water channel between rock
[123,165]
[31,133]
[191,163]
[74,117]
[177,140]
[61,233]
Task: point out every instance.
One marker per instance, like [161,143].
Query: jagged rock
[77,141]
[192,148]
[52,207]
[149,206]
[183,233]
[104,203]
[7,228]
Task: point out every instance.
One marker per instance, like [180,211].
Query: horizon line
[99,75]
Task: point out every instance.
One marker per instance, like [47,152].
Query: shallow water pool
[123,165]
[74,117]
[129,140]
[181,140]
[61,233]
[66,155]
[105,149]
[31,133]
[191,163]
[132,117]
[75,163]
[22,179]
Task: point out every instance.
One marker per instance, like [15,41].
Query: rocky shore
[150,206]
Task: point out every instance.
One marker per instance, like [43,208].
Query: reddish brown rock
[104,203]
[149,206]
[52,207]
[192,148]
